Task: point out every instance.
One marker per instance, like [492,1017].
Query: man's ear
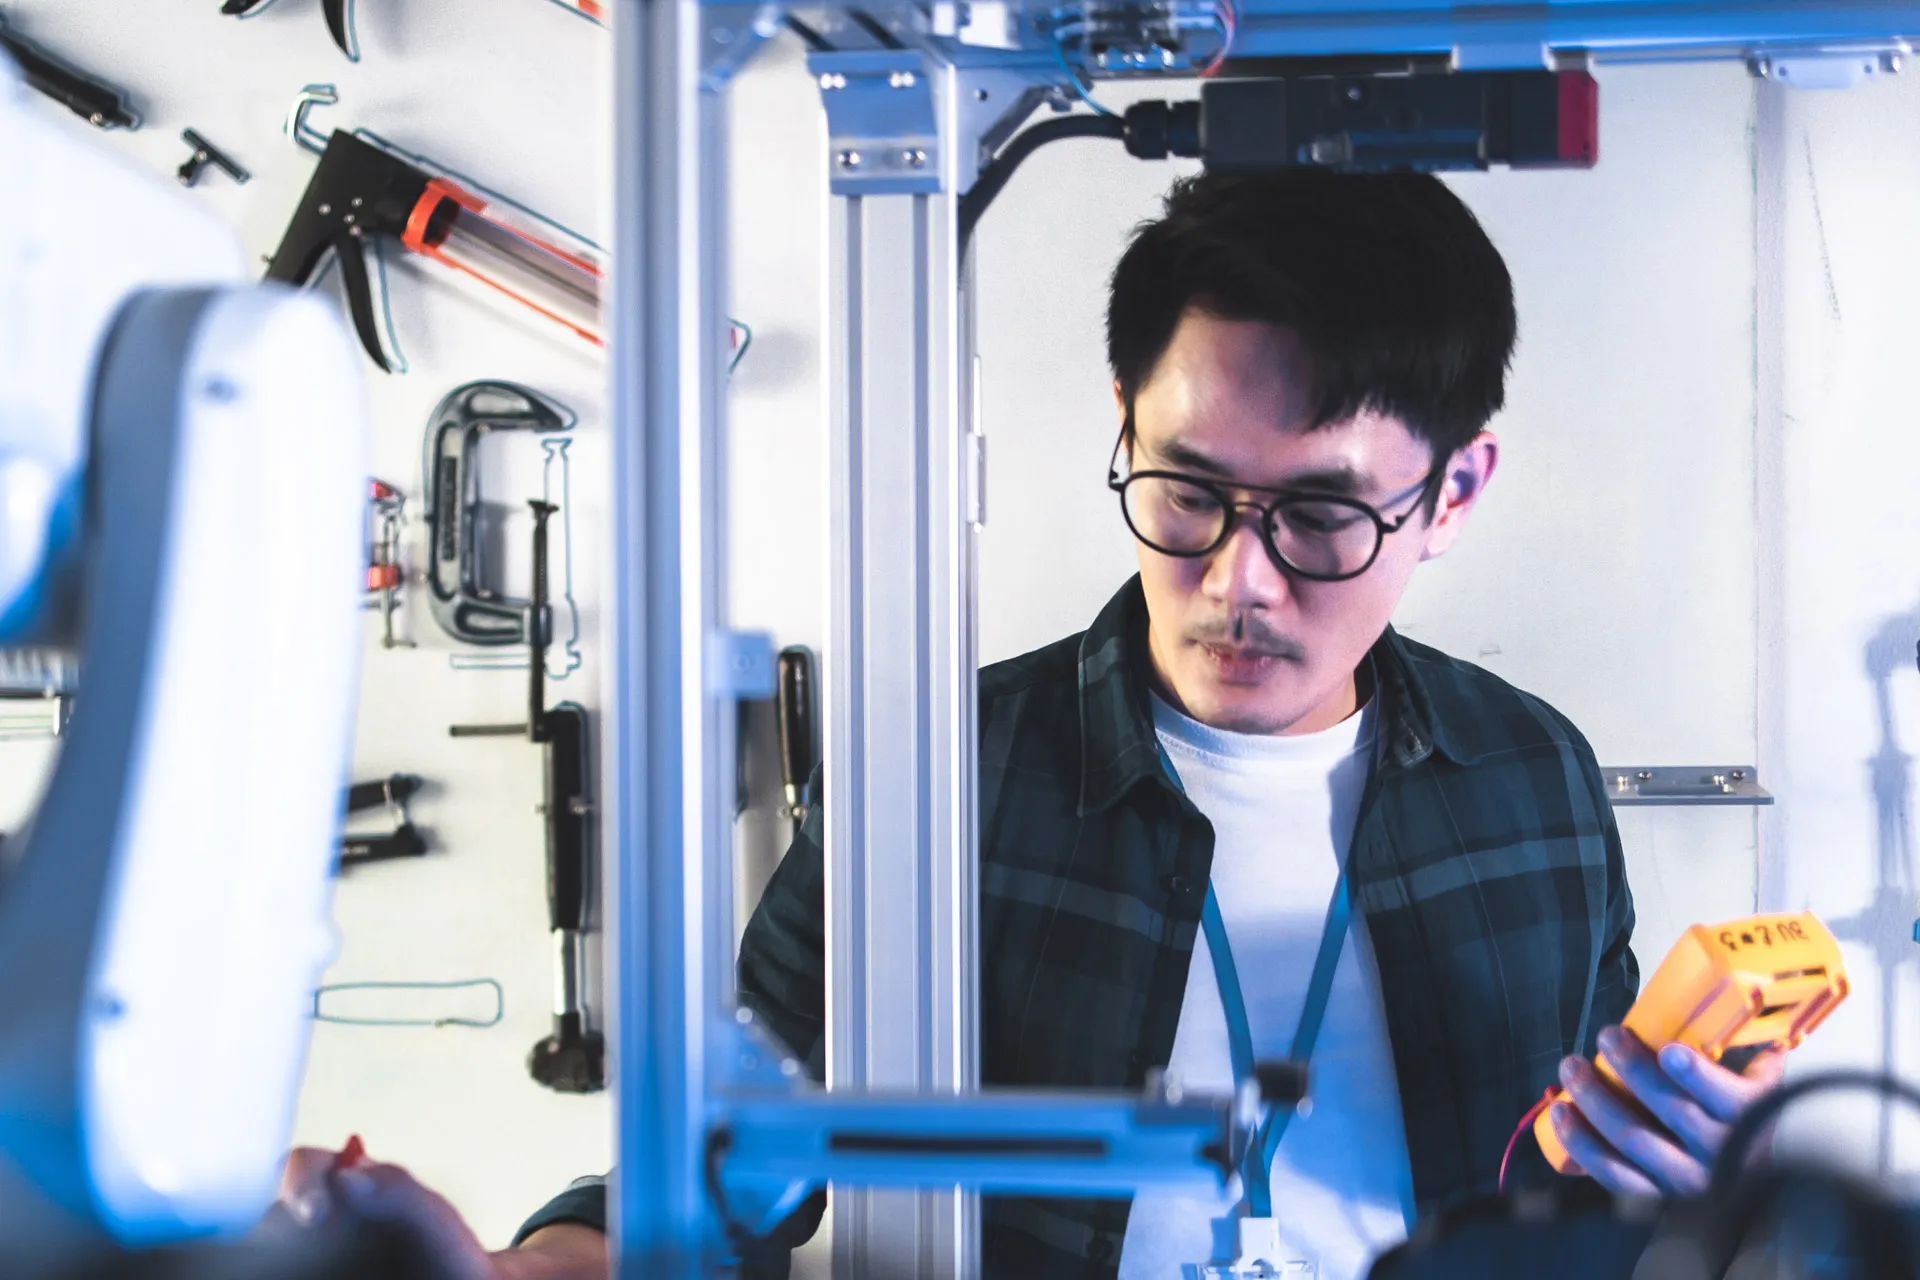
[1468,473]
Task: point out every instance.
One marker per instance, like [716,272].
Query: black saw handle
[358,190]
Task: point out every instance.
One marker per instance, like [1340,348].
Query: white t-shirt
[1283,810]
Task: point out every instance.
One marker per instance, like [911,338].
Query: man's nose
[1240,571]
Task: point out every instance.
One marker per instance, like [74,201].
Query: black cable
[1733,1153]
[869,24]
[814,40]
[1023,144]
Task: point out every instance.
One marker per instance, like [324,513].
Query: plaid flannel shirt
[1485,863]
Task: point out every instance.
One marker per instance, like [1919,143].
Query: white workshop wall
[1839,200]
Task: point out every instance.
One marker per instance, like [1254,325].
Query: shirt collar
[1118,749]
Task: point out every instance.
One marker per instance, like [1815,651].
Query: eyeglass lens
[1319,537]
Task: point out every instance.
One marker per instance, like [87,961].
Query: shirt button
[1100,1249]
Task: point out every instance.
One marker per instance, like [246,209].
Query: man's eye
[1194,502]
[1322,519]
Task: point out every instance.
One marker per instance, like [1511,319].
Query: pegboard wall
[514,94]
[510,92]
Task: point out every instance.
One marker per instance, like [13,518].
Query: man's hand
[311,1185]
[1695,1102]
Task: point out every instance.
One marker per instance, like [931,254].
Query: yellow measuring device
[1762,982]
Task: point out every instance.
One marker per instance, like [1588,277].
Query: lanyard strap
[1256,1170]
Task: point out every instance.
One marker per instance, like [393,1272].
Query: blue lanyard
[1257,1167]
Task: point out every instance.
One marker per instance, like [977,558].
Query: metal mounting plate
[883,137]
[1734,784]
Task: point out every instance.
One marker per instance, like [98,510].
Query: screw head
[903,80]
[914,158]
[1646,775]
[325,209]
[833,80]
[848,159]
[979,95]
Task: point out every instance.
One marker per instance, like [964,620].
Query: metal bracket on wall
[883,137]
[1684,784]
[1832,67]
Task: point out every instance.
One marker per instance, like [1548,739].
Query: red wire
[1547,1099]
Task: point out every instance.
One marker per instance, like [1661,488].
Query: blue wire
[1073,77]
[499,1004]
[746,340]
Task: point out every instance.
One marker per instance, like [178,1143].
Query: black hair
[1403,305]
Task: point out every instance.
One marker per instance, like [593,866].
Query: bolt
[1646,775]
[1355,93]
[743,1016]
[914,158]
[357,202]
[833,80]
[903,80]
[1894,63]
[979,95]
[579,807]
[848,159]
[1620,781]
[325,209]
[1739,775]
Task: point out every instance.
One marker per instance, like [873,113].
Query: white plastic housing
[216,928]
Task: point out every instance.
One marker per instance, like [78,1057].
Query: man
[1240,818]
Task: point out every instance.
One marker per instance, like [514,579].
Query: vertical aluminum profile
[666,779]
[901,688]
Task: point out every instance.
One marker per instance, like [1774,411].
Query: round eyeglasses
[1322,537]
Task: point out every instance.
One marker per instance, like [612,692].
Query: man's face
[1239,642]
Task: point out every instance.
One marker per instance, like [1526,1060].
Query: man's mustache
[1245,633]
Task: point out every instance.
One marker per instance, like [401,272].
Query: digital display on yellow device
[1757,983]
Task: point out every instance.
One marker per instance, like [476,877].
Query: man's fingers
[304,1194]
[1594,1157]
[1663,1097]
[1721,1093]
[389,1193]
[1629,1134]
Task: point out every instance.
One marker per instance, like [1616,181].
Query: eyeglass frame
[1230,521]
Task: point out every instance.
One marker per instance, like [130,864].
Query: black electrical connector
[1339,123]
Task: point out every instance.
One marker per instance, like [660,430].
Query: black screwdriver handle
[799,735]
[405,842]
